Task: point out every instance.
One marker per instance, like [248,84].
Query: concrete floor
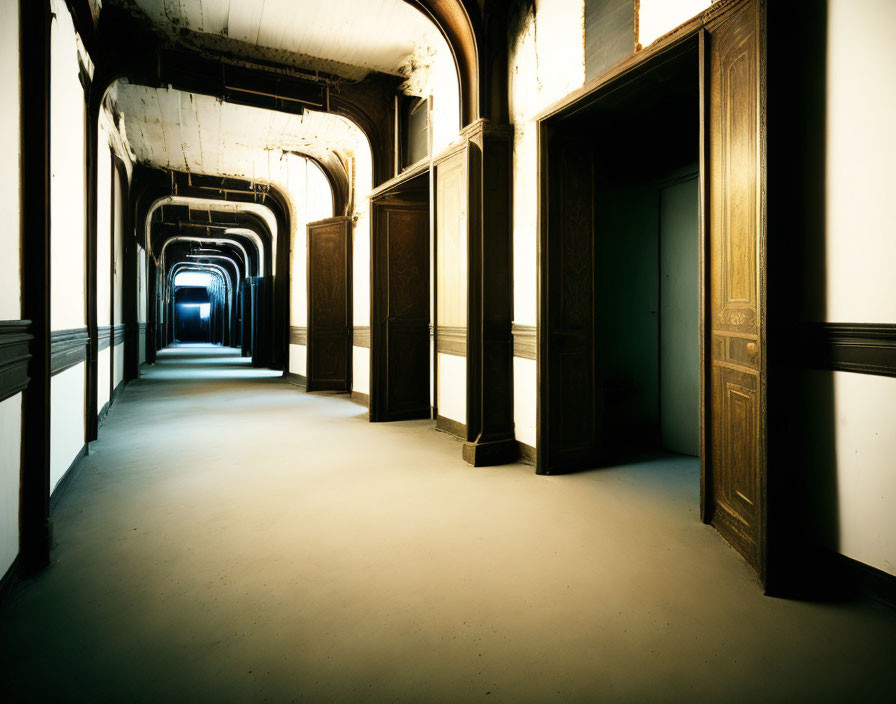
[232,538]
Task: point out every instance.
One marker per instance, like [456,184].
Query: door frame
[693,32]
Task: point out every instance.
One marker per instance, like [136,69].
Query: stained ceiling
[347,38]
[183,131]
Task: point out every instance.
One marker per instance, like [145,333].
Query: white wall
[67,391]
[861,181]
[103,386]
[860,243]
[10,453]
[67,163]
[657,17]
[452,387]
[298,358]
[361,370]
[103,230]
[10,157]
[865,416]
[556,32]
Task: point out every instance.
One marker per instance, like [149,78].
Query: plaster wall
[103,388]
[141,285]
[67,164]
[118,369]
[546,62]
[103,230]
[10,458]
[361,370]
[298,357]
[852,416]
[10,157]
[118,190]
[657,17]
[525,399]
[861,101]
[67,391]
[452,392]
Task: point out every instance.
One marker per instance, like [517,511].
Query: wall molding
[865,348]
[864,580]
[103,337]
[361,336]
[451,340]
[525,341]
[67,349]
[15,353]
[119,331]
[298,336]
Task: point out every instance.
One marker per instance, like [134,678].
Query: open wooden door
[330,305]
[567,413]
[734,452]
[400,383]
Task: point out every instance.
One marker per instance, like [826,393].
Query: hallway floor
[232,538]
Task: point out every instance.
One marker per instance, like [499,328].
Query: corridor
[231,538]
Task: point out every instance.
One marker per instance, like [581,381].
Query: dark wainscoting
[858,579]
[865,348]
[141,328]
[15,341]
[298,336]
[67,348]
[361,336]
[525,342]
[452,340]
[453,427]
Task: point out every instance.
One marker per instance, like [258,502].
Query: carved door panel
[329,305]
[568,313]
[400,386]
[735,346]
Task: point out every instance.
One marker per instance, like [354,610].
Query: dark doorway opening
[192,315]
[646,276]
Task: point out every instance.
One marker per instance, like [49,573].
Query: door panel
[400,315]
[329,305]
[569,384]
[736,358]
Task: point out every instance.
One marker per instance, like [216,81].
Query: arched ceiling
[345,38]
[195,133]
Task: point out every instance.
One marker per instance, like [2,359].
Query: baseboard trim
[295,379]
[73,469]
[104,411]
[362,398]
[9,581]
[528,453]
[452,427]
[864,579]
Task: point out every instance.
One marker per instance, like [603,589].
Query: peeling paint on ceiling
[348,38]
[183,131]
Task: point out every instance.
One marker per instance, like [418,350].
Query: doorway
[621,164]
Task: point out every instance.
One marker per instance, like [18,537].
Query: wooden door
[568,422]
[734,474]
[400,383]
[330,305]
